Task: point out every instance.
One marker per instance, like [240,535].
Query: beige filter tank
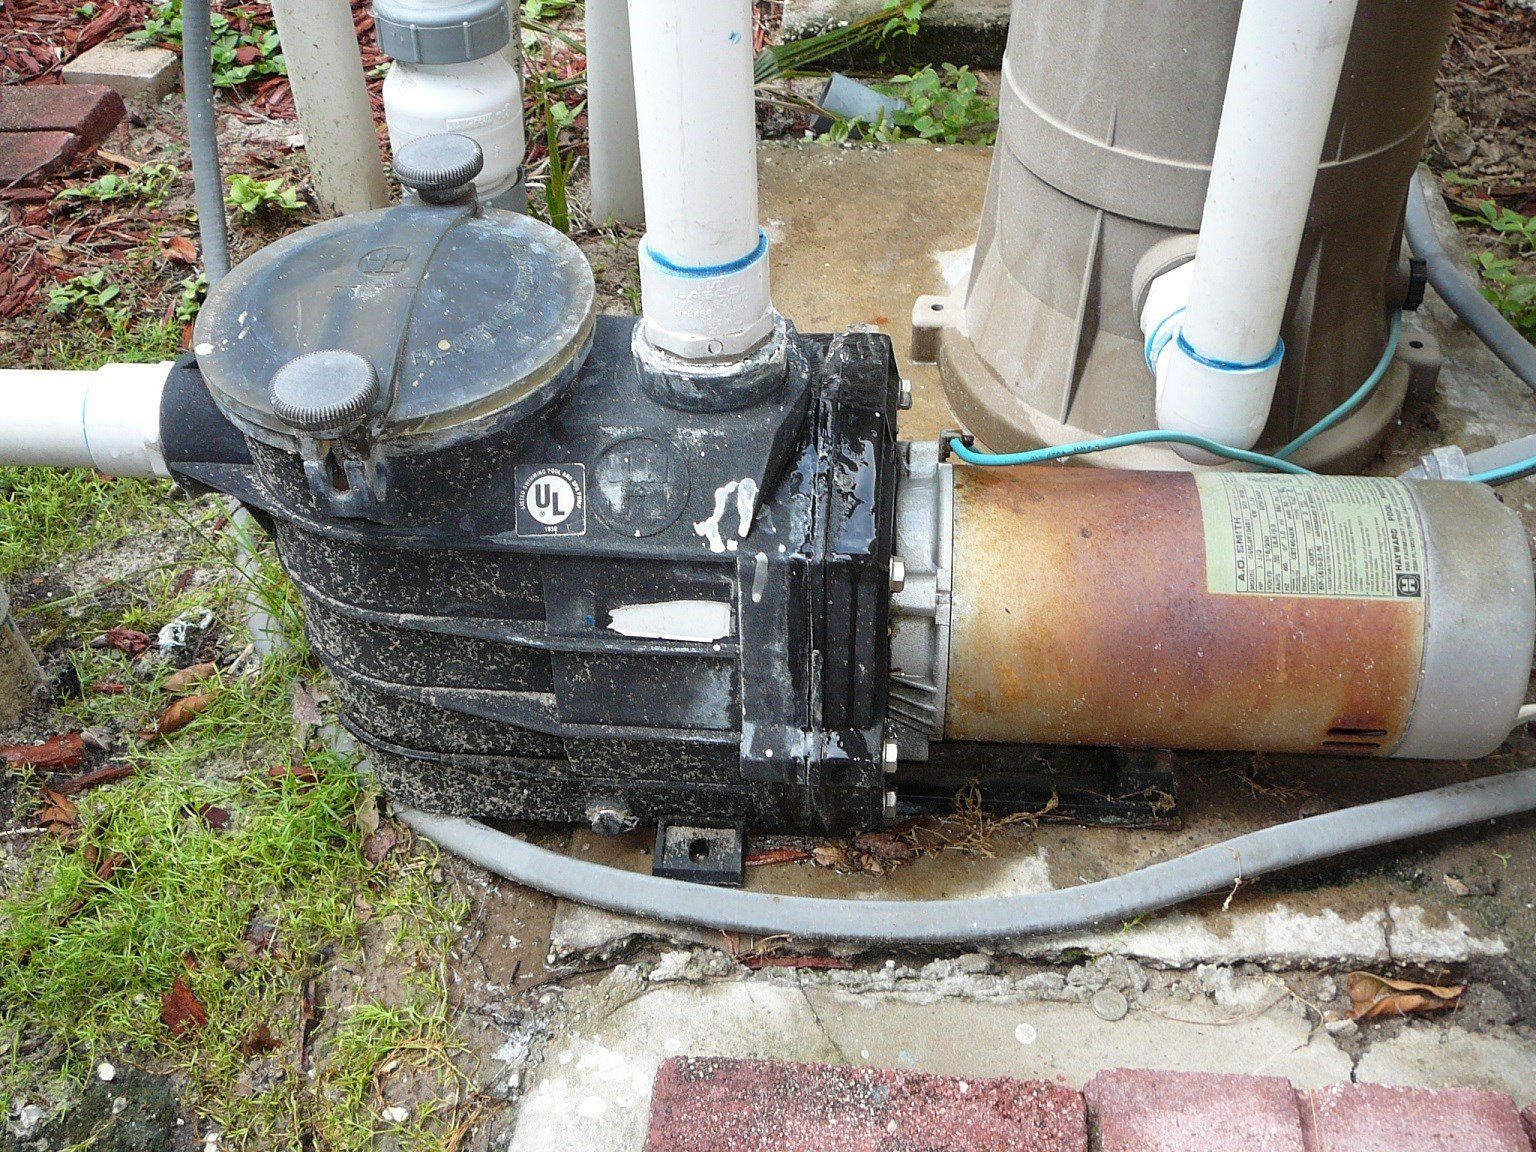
[1109,117]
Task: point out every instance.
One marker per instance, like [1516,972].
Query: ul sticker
[552,500]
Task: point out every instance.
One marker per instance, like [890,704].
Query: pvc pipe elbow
[1227,403]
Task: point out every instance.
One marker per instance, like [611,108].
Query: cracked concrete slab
[592,1090]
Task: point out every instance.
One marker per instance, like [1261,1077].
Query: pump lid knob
[329,391]
[439,168]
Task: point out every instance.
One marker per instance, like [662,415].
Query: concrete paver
[137,72]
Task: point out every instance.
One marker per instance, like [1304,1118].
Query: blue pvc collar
[708,271]
[1230,366]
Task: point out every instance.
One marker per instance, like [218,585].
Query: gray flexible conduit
[898,922]
[1518,353]
[203,137]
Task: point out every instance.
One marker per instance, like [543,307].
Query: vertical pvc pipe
[614,134]
[704,260]
[325,68]
[1217,375]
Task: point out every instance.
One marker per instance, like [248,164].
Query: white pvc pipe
[325,68]
[613,133]
[704,260]
[1216,376]
[108,419]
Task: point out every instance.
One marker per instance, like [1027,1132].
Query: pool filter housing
[551,581]
[1110,113]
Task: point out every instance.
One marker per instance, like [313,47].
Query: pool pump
[556,575]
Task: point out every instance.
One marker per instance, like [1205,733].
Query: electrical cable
[1126,440]
[1359,397]
[203,139]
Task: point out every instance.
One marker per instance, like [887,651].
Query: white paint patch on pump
[691,621]
[745,491]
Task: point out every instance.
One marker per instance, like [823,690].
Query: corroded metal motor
[1343,615]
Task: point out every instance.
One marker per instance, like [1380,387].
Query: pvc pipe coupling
[1221,400]
[701,313]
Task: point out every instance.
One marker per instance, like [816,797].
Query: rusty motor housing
[1220,611]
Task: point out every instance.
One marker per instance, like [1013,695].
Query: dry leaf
[771,856]
[260,1040]
[368,813]
[62,751]
[306,707]
[180,249]
[379,845]
[177,714]
[215,817]
[57,813]
[1372,996]
[110,774]
[180,1010]
[179,682]
[296,768]
[126,640]
[109,864]
[886,848]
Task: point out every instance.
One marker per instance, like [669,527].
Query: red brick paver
[710,1105]
[44,126]
[90,111]
[1376,1118]
[26,157]
[1143,1111]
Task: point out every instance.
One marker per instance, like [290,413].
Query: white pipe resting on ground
[704,260]
[325,67]
[1218,361]
[613,134]
[108,419]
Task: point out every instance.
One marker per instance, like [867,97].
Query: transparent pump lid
[462,314]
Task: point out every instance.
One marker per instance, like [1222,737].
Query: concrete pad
[856,237]
[711,1105]
[1370,1118]
[1498,1060]
[1297,930]
[593,1089]
[1143,1111]
[135,72]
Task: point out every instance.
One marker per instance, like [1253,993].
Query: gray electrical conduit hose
[1518,353]
[897,922]
[203,138]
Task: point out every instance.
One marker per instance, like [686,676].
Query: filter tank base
[1004,422]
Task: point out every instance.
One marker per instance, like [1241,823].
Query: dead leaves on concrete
[1372,997]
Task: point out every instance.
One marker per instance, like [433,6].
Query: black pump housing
[505,633]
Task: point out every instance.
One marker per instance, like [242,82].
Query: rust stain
[1081,616]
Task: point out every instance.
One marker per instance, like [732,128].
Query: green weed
[1509,290]
[944,106]
[147,184]
[255,197]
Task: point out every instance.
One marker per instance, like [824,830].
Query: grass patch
[155,885]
